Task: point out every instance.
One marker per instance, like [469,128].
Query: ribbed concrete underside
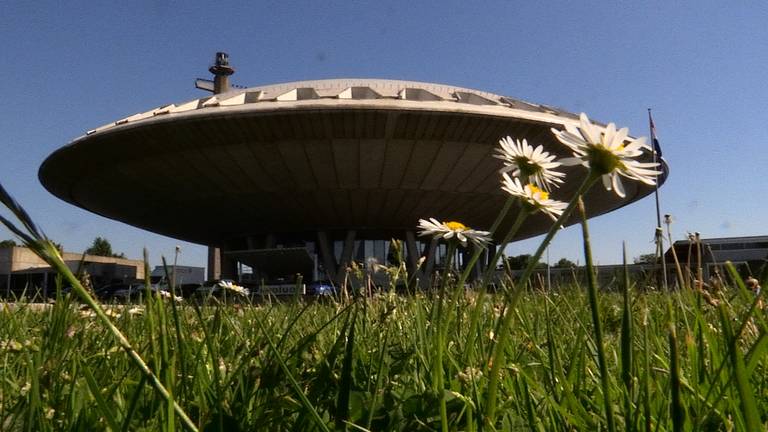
[376,168]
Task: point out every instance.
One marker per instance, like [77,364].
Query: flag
[654,138]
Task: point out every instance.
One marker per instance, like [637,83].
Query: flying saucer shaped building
[312,173]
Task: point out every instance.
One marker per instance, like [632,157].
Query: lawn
[372,363]
[443,358]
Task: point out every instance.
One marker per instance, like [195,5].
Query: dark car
[321,288]
[120,292]
[129,292]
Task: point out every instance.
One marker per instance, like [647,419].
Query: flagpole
[659,237]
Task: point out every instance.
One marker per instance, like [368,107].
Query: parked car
[321,288]
[130,292]
[120,292]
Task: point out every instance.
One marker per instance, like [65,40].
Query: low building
[23,272]
[748,254]
[185,275]
[609,277]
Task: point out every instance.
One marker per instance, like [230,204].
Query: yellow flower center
[543,195]
[603,160]
[527,167]
[455,226]
[606,145]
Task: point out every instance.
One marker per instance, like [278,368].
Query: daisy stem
[479,250]
[596,323]
[480,299]
[497,352]
[438,370]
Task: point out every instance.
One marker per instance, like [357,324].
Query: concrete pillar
[466,255]
[477,270]
[346,254]
[326,255]
[490,253]
[412,251]
[250,242]
[429,263]
[214,263]
[228,267]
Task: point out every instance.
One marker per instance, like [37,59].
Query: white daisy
[233,287]
[533,197]
[533,164]
[168,295]
[449,230]
[605,152]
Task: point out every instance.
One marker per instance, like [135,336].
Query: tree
[565,263]
[520,262]
[102,247]
[7,244]
[649,258]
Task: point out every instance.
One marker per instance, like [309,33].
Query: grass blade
[594,306]
[345,387]
[101,404]
[295,385]
[49,252]
[626,347]
[676,409]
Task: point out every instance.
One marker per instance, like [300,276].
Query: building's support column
[228,267]
[466,255]
[8,286]
[489,254]
[45,285]
[346,255]
[482,264]
[214,263]
[412,251]
[254,242]
[429,263]
[269,241]
[477,270]
[326,255]
[250,242]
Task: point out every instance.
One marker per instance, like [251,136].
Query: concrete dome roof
[365,154]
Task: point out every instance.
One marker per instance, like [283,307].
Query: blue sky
[701,66]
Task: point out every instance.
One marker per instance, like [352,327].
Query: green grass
[370,364]
[576,359]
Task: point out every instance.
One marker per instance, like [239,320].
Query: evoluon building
[311,174]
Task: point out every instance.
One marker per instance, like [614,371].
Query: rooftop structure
[306,164]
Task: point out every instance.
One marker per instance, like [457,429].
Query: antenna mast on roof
[221,71]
